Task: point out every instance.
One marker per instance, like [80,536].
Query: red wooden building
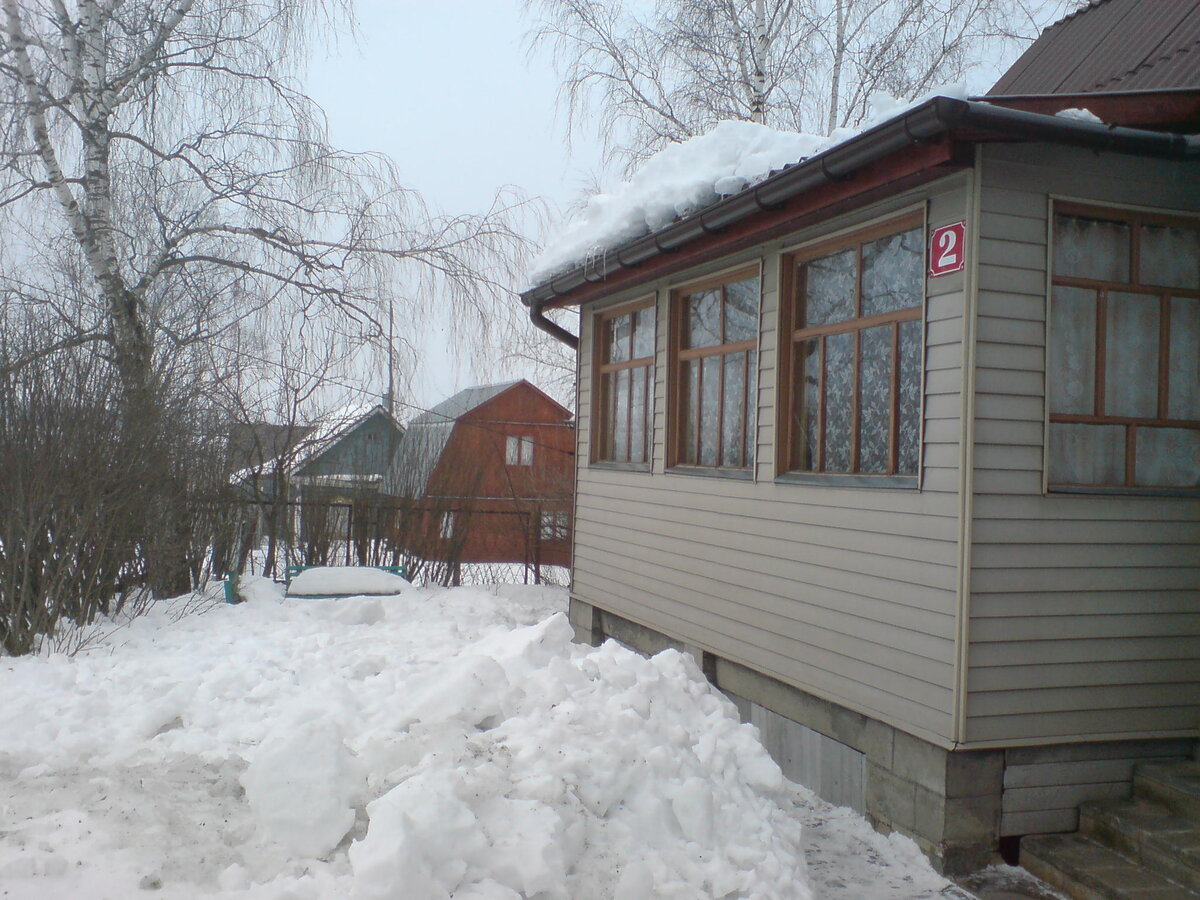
[489,476]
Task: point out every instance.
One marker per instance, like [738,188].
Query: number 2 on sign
[946,249]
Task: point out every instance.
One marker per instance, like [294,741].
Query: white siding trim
[966,449]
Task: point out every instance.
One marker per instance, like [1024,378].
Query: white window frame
[518,450]
[555,526]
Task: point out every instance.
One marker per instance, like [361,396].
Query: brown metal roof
[1112,45]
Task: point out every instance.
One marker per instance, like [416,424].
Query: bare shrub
[99,514]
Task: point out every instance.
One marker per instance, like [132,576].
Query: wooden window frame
[681,356]
[790,334]
[1135,219]
[603,434]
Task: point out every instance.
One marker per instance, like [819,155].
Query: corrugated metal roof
[1112,45]
[416,457]
[427,435]
[462,403]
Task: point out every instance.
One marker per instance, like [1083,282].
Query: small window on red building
[555,526]
[518,451]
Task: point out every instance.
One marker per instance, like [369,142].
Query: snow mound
[345,581]
[685,177]
[302,784]
[560,748]
[257,589]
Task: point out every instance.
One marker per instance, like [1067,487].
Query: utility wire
[411,406]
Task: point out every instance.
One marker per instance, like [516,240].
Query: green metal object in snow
[292,571]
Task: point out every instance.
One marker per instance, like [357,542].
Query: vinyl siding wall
[1084,610]
[847,593]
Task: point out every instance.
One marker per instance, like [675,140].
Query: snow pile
[685,177]
[345,581]
[438,743]
[303,783]
[562,750]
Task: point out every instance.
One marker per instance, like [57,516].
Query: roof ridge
[1091,4]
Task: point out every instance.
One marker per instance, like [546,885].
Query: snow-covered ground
[437,743]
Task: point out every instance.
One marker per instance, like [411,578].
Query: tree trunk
[762,46]
[839,60]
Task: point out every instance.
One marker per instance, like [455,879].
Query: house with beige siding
[903,444]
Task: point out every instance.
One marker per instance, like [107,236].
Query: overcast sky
[444,88]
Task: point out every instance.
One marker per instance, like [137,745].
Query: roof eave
[931,120]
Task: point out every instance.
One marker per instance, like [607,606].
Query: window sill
[1101,491]
[619,466]
[889,482]
[712,472]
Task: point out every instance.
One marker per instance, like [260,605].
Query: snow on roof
[683,178]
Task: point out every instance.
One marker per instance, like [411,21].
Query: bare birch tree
[652,74]
[165,184]
[162,148]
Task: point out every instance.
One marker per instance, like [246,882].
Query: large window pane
[1131,356]
[751,417]
[1091,248]
[1170,257]
[1086,454]
[710,397]
[829,287]
[643,333]
[908,452]
[608,400]
[733,428]
[621,418]
[618,338]
[1072,351]
[1184,383]
[893,275]
[637,422]
[808,404]
[741,311]
[691,394]
[839,401]
[1168,457]
[875,399]
[704,319]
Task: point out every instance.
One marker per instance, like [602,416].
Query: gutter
[927,122]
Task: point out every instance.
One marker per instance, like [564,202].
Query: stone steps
[1144,848]
[1148,834]
[1085,870]
[1173,785]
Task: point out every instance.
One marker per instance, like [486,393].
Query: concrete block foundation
[955,804]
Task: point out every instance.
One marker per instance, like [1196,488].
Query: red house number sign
[947,249]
